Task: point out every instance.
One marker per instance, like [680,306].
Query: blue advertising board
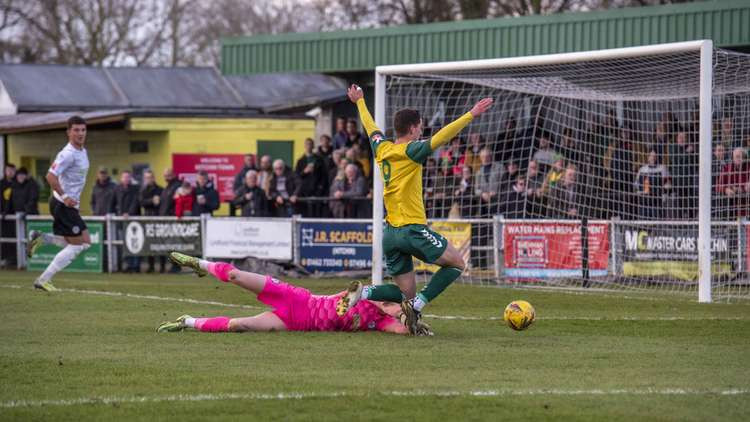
[327,247]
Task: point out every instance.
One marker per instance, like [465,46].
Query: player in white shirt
[66,176]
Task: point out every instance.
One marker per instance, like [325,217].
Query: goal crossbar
[546,59]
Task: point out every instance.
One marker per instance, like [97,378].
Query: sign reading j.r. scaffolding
[148,238]
[335,246]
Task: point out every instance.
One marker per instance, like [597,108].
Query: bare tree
[189,32]
[84,31]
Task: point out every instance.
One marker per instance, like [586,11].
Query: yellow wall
[108,148]
[229,135]
[111,148]
[226,135]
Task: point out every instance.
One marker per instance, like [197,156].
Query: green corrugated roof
[726,22]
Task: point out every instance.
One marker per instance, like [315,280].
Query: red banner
[221,169]
[553,249]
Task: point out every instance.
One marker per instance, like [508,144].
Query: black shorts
[68,221]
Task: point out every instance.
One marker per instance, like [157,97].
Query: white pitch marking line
[444,317]
[417,393]
[147,297]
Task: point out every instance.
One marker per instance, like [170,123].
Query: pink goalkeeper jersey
[363,316]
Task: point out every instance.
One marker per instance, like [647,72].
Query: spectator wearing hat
[239,178]
[25,193]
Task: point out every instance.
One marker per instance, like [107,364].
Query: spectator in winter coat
[239,178]
[513,200]
[206,196]
[546,155]
[283,189]
[6,187]
[184,200]
[354,137]
[535,195]
[651,185]
[487,183]
[264,173]
[127,204]
[356,189]
[311,174]
[463,195]
[734,186]
[150,198]
[336,157]
[338,185]
[340,137]
[250,198]
[325,149]
[565,197]
[166,201]
[103,194]
[127,201]
[25,193]
[471,153]
[347,190]
[7,227]
[451,157]
[150,194]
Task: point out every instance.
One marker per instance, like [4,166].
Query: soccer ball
[519,314]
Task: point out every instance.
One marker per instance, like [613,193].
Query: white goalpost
[593,169]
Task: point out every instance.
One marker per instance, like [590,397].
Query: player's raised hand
[483,105]
[355,93]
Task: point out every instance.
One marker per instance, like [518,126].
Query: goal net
[585,172]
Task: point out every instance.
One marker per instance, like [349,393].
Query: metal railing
[494,242]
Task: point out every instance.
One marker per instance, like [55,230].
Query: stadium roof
[202,90]
[723,21]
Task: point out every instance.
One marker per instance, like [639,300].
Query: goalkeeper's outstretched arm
[448,132]
[358,97]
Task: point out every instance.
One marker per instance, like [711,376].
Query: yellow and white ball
[519,314]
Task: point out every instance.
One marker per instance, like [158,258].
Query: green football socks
[383,293]
[439,282]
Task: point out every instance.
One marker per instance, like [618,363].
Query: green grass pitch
[77,356]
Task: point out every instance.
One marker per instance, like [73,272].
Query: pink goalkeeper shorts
[289,303]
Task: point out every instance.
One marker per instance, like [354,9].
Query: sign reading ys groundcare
[89,261]
[149,238]
[238,238]
[335,246]
[553,249]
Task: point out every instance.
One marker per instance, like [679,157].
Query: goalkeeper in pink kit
[294,308]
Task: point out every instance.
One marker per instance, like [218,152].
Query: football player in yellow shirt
[406,234]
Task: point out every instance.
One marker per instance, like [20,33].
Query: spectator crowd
[602,170]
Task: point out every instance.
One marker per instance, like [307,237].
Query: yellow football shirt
[401,167]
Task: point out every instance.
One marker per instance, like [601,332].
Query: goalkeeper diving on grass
[293,308]
[406,234]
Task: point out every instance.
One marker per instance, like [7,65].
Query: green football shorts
[400,244]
